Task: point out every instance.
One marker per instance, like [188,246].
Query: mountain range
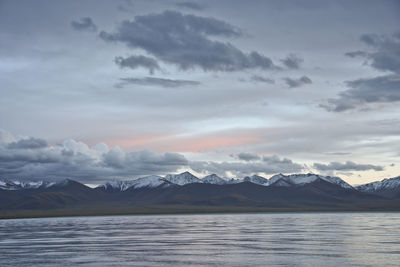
[187,193]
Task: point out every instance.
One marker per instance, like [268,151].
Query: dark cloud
[134,62]
[247,156]
[152,81]
[347,166]
[356,54]
[371,39]
[30,143]
[144,162]
[77,160]
[385,54]
[190,5]
[292,61]
[23,157]
[382,89]
[257,78]
[269,165]
[183,40]
[274,159]
[293,83]
[84,24]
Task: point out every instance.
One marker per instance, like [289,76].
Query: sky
[100,90]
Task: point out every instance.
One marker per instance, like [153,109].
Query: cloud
[247,156]
[257,78]
[144,162]
[184,41]
[29,143]
[269,165]
[339,153]
[84,24]
[134,62]
[293,83]
[6,137]
[152,81]
[292,61]
[95,164]
[126,6]
[356,54]
[190,5]
[274,159]
[77,160]
[347,166]
[385,54]
[381,89]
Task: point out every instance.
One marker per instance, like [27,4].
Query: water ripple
[276,239]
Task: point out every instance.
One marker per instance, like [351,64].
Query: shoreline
[187,210]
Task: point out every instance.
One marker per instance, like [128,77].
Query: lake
[265,239]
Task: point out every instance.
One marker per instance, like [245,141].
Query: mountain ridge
[389,187]
[70,197]
[188,178]
[186,192]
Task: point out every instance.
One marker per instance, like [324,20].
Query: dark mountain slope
[249,194]
[64,194]
[71,196]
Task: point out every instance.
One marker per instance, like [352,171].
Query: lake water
[274,239]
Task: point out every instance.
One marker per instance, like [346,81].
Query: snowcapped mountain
[256,179]
[234,181]
[153,181]
[21,185]
[213,179]
[294,179]
[388,183]
[302,179]
[182,178]
[117,185]
[147,181]
[387,187]
[336,180]
[188,178]
[18,185]
[282,182]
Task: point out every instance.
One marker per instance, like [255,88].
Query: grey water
[268,239]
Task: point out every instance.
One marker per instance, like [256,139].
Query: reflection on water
[276,239]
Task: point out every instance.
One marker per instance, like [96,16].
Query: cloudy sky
[98,90]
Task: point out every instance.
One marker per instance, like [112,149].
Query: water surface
[269,239]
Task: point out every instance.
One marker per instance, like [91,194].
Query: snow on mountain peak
[18,185]
[281,182]
[294,179]
[213,179]
[147,181]
[118,185]
[188,178]
[385,184]
[182,178]
[256,179]
[302,179]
